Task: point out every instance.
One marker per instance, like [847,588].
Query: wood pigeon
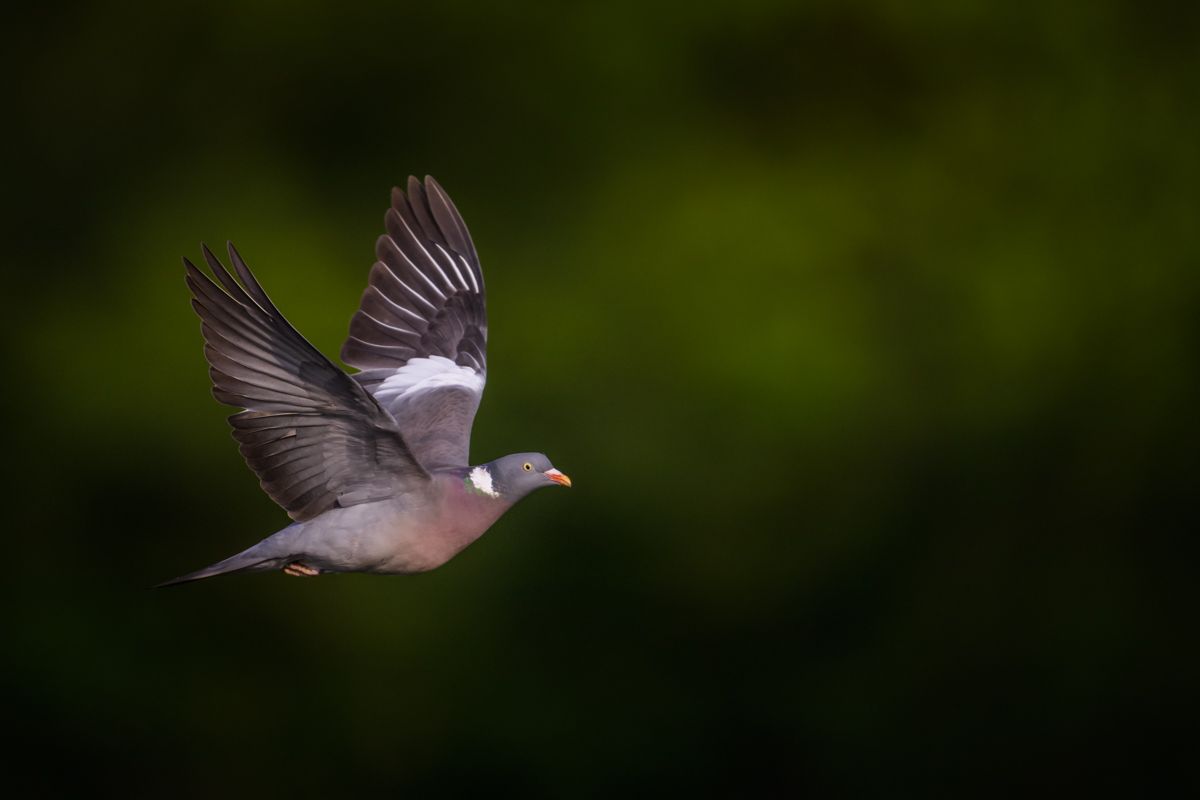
[373,467]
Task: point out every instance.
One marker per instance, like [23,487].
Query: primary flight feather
[373,468]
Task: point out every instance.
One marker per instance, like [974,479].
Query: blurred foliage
[868,333]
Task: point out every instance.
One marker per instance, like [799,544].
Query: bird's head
[515,476]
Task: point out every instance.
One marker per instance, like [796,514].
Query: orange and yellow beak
[557,477]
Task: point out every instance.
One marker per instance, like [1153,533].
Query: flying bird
[373,468]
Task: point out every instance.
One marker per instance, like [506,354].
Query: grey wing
[311,433]
[420,332]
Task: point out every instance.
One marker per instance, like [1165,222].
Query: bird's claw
[298,570]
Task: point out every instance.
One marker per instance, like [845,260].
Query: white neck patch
[481,481]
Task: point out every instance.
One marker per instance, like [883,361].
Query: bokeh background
[867,331]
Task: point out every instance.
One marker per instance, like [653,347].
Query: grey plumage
[371,467]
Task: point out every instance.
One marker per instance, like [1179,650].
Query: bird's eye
[527,466]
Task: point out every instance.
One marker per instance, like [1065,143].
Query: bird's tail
[244,561]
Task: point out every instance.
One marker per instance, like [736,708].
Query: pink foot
[298,570]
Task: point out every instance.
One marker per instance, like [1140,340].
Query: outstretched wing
[311,433]
[420,333]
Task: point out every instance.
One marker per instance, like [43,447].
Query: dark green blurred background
[868,333]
